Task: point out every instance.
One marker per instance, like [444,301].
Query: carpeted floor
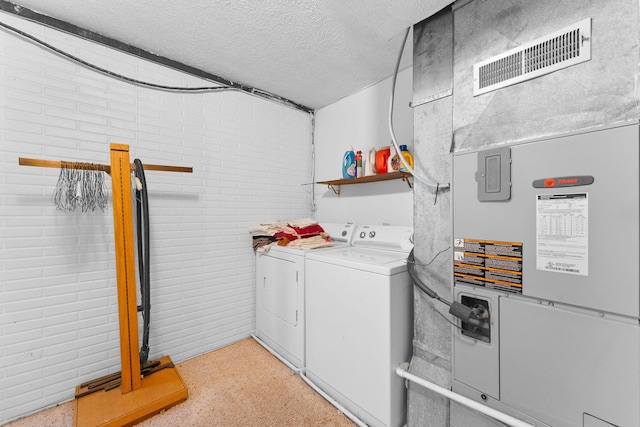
[238,385]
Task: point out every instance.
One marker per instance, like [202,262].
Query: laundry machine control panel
[384,236]
[339,232]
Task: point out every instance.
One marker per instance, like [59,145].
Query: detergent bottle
[358,164]
[370,163]
[382,160]
[349,164]
[394,160]
[408,158]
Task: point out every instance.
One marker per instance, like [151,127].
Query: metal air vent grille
[553,52]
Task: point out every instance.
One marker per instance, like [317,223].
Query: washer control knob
[363,234]
[344,233]
[372,234]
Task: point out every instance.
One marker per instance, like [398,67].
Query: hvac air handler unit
[546,250]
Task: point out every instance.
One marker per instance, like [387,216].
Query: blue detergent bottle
[349,164]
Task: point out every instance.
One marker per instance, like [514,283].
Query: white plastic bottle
[394,160]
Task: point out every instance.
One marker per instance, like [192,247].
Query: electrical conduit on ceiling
[82,33]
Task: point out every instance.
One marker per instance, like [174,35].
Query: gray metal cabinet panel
[557,363]
[477,363]
[611,157]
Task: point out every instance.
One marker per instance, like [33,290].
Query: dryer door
[278,288]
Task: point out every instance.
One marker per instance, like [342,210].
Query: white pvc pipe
[402,371]
[277,355]
[338,406]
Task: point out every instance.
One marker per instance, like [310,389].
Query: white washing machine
[360,323]
[280,294]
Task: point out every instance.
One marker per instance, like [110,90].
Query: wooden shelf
[336,183]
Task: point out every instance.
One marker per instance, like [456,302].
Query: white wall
[57,270]
[361,120]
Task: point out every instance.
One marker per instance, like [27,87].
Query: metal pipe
[402,371]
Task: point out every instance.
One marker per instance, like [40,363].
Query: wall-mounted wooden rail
[57,164]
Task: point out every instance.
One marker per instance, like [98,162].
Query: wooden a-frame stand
[133,396]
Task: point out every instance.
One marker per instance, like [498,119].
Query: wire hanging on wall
[80,185]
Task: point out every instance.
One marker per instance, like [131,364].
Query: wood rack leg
[125,267]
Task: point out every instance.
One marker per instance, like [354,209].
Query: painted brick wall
[57,270]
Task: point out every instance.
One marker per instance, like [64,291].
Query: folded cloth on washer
[268,233]
[262,243]
[302,222]
[266,228]
[308,231]
[287,232]
[283,241]
[313,242]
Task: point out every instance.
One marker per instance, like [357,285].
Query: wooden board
[368,178]
[125,267]
[57,164]
[159,390]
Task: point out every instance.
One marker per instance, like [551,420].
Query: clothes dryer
[360,323]
[280,294]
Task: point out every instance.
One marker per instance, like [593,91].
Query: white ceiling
[312,52]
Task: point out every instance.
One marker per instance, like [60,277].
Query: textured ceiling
[313,52]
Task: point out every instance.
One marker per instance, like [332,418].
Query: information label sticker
[562,233]
[489,263]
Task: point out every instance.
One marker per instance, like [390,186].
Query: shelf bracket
[405,178]
[335,188]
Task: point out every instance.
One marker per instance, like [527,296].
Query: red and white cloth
[304,233]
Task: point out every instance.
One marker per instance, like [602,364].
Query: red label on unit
[564,181]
